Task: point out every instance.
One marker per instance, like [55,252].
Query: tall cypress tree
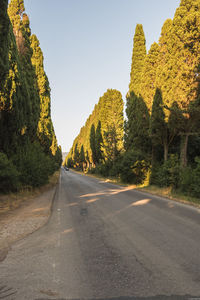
[82,157]
[93,143]
[45,128]
[22,32]
[112,119]
[98,142]
[165,74]
[13,102]
[137,124]
[148,81]
[19,99]
[176,75]
[4,41]
[76,157]
[158,126]
[186,29]
[135,107]
[138,59]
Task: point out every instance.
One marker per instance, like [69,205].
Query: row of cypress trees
[100,141]
[163,102]
[28,147]
[161,136]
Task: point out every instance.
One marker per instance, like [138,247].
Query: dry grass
[14,200]
[173,195]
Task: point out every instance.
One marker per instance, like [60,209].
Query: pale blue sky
[87,46]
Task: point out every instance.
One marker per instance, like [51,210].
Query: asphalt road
[107,242]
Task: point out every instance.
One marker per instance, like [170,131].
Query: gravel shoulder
[24,220]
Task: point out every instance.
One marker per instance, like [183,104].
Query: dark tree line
[28,147]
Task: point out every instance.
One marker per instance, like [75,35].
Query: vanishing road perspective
[105,241]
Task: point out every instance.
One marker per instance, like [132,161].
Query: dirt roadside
[24,220]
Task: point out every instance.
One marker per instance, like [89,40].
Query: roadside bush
[159,175]
[186,179]
[195,185]
[102,169]
[9,176]
[115,169]
[190,180]
[166,174]
[34,165]
[56,159]
[134,167]
[107,168]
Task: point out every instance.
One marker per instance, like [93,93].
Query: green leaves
[138,59]
[102,135]
[24,102]
[9,176]
[93,143]
[98,143]
[137,124]
[163,107]
[111,116]
[4,29]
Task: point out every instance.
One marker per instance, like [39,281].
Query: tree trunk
[183,151]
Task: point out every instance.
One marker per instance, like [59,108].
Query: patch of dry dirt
[27,218]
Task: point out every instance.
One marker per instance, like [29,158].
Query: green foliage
[22,33]
[112,123]
[186,181]
[164,72]
[190,179]
[193,148]
[163,111]
[177,74]
[98,143]
[76,155]
[158,127]
[45,130]
[138,59]
[137,124]
[70,163]
[82,155]
[82,158]
[34,165]
[9,176]
[186,30]
[93,143]
[24,101]
[56,158]
[102,169]
[110,143]
[148,80]
[102,135]
[134,167]
[166,174]
[171,72]
[4,29]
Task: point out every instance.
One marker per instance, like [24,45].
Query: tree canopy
[26,129]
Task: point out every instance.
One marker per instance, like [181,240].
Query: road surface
[107,242]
